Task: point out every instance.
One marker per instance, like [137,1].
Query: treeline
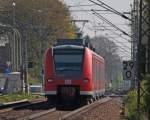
[109,51]
[40,23]
[131,100]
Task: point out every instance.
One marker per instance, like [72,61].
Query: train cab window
[68,63]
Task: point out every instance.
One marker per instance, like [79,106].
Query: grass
[17,97]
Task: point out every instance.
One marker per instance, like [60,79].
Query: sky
[97,27]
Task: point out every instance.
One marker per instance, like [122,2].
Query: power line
[81,5]
[112,31]
[87,10]
[125,51]
[119,35]
[103,5]
[118,42]
[110,23]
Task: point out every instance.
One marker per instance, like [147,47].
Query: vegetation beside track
[17,97]
[131,101]
[40,23]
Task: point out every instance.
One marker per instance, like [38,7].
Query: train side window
[103,72]
[94,69]
[99,71]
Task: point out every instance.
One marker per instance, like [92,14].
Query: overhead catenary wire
[122,15]
[88,10]
[120,46]
[81,5]
[108,22]
[121,49]
[107,7]
[105,28]
[119,35]
[114,33]
[118,42]
[111,12]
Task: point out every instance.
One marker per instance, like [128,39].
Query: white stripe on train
[81,92]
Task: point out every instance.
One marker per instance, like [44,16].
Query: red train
[73,73]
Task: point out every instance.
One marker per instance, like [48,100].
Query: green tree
[147,94]
[40,22]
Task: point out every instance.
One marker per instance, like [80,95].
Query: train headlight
[49,80]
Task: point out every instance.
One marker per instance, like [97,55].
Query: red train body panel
[73,70]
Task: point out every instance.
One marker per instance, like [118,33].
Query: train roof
[75,43]
[97,55]
[68,47]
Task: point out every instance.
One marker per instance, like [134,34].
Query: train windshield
[68,63]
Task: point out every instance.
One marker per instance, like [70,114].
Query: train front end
[66,78]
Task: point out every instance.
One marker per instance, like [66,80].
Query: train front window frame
[68,58]
[71,61]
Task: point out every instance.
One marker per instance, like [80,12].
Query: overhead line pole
[14,58]
[143,63]
[139,63]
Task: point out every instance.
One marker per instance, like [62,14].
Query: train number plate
[68,82]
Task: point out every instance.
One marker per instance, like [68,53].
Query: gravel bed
[106,111]
[22,112]
[53,116]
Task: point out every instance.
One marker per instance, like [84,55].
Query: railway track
[73,115]
[58,114]
[25,109]
[42,111]
[11,104]
[18,104]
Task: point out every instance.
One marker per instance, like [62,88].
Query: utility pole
[148,68]
[143,42]
[148,50]
[139,63]
[14,44]
[135,34]
[25,63]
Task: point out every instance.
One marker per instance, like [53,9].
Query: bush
[147,94]
[131,103]
[17,96]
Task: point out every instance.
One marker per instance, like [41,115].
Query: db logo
[68,82]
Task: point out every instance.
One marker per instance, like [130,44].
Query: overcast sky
[91,30]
